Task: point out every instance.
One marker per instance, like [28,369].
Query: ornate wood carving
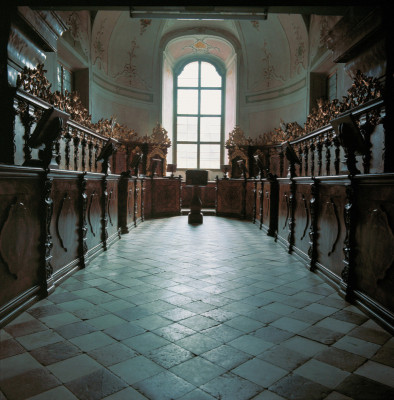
[281,162]
[312,151]
[47,244]
[83,230]
[76,141]
[27,119]
[337,161]
[313,233]
[83,144]
[306,156]
[335,209]
[67,138]
[327,144]
[319,147]
[93,195]
[13,230]
[291,223]
[65,199]
[306,215]
[348,248]
[90,147]
[109,207]
[96,153]
[104,220]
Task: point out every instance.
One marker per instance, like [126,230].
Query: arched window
[198,116]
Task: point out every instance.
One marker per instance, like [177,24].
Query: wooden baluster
[76,151]
[281,160]
[367,129]
[27,119]
[67,138]
[90,146]
[300,153]
[337,161]
[57,147]
[319,147]
[84,143]
[312,151]
[96,153]
[327,144]
[306,154]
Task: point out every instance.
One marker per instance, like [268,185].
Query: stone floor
[214,311]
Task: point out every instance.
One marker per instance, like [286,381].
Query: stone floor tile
[283,357]
[133,313]
[199,322]
[55,352]
[17,365]
[350,316]
[25,328]
[320,334]
[10,347]
[92,341]
[112,354]
[75,305]
[378,372]
[263,315]
[322,373]
[136,369]
[357,346]
[153,322]
[196,394]
[231,387]
[244,324]
[145,342]
[222,333]
[44,310]
[304,346]
[39,339]
[34,381]
[169,356]
[340,358]
[54,321]
[336,325]
[105,321]
[206,371]
[75,329]
[296,387]
[267,395]
[385,355]
[272,334]
[260,372]
[73,368]
[174,332]
[165,386]
[290,324]
[250,344]
[59,392]
[377,336]
[198,343]
[362,388]
[337,396]
[126,394]
[219,314]
[96,385]
[177,314]
[227,357]
[124,331]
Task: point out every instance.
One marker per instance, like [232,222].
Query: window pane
[67,80]
[187,156]
[211,102]
[210,156]
[209,76]
[187,101]
[189,75]
[187,129]
[210,129]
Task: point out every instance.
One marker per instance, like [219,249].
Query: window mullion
[198,115]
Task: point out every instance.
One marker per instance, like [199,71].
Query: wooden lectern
[196,178]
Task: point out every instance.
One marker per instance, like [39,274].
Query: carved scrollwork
[307,216]
[66,198]
[48,244]
[93,195]
[83,247]
[314,209]
[109,207]
[332,205]
[13,249]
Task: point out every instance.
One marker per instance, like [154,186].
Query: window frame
[221,70]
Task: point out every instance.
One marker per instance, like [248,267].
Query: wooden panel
[208,195]
[250,200]
[331,226]
[302,217]
[138,204]
[65,222]
[112,205]
[148,207]
[374,241]
[20,232]
[284,214]
[229,197]
[165,197]
[126,203]
[94,193]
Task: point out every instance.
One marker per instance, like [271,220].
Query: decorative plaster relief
[200,46]
[144,23]
[269,71]
[98,47]
[129,74]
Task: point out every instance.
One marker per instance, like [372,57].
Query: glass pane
[187,129]
[210,129]
[189,75]
[209,76]
[186,156]
[210,156]
[187,101]
[211,102]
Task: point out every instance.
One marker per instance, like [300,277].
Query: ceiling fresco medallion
[200,46]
